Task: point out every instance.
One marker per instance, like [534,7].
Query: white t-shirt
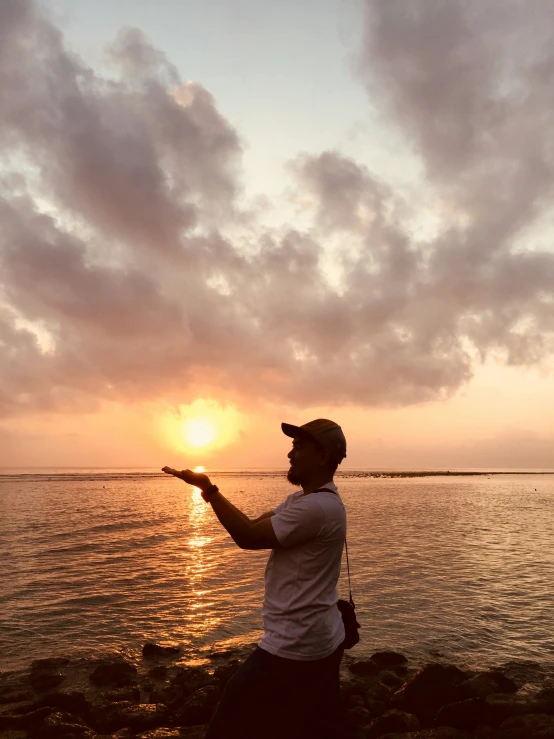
[300,614]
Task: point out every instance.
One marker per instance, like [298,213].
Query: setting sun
[204,424]
[199,432]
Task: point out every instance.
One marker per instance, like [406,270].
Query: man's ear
[324,459]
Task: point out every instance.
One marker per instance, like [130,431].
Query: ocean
[443,568]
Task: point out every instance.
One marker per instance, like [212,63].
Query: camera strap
[328,490]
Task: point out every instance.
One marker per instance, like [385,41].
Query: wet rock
[484,684]
[392,721]
[193,732]
[359,715]
[544,701]
[13,734]
[114,673]
[107,718]
[224,673]
[356,700]
[50,664]
[184,682]
[467,714]
[158,673]
[531,726]
[428,690]
[363,668]
[43,681]
[522,672]
[391,679]
[25,720]
[47,674]
[485,732]
[14,694]
[388,659]
[161,734]
[199,707]
[71,702]
[61,724]
[154,651]
[376,708]
[123,734]
[502,706]
[377,691]
[122,695]
[443,732]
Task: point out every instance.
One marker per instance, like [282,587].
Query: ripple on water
[459,567]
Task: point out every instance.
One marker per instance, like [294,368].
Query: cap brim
[292,431]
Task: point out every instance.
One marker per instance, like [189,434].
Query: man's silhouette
[289,685]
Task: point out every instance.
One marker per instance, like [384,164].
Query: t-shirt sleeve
[298,522]
[279,507]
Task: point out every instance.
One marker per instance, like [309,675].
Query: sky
[217,216]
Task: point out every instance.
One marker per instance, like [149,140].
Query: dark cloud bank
[118,192]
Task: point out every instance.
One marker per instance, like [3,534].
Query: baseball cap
[327,433]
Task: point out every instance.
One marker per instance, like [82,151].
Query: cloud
[121,273]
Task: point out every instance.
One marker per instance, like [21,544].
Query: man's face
[306,458]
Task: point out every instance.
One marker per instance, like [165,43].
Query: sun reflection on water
[200,565]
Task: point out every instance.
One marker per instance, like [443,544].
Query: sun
[199,432]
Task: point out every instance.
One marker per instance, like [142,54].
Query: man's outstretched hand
[198,479]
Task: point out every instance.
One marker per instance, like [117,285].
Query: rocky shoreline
[163,698]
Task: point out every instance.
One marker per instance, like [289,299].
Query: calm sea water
[459,568]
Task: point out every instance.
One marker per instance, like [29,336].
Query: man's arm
[247,534]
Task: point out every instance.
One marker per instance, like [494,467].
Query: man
[289,686]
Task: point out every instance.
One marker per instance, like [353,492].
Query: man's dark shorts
[273,697]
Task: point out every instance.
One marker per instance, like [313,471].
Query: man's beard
[293,478]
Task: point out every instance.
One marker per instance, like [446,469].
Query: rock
[51,664]
[522,672]
[376,691]
[360,715]
[224,673]
[375,708]
[60,724]
[107,718]
[485,732]
[467,714]
[13,734]
[158,673]
[428,690]
[42,681]
[531,726]
[392,721]
[387,659]
[443,732]
[353,693]
[123,734]
[14,694]
[114,673]
[154,651]
[185,682]
[122,694]
[484,684]
[25,720]
[193,732]
[364,667]
[544,701]
[72,702]
[502,706]
[391,679]
[46,674]
[198,708]
[161,734]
